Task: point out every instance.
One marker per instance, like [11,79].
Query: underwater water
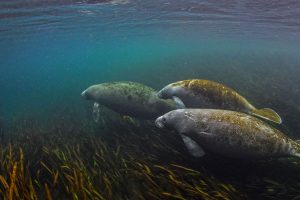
[50,51]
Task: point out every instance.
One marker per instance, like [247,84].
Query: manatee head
[173,89]
[166,92]
[170,120]
[89,93]
[181,120]
[164,121]
[96,93]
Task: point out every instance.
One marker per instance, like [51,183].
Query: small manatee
[198,93]
[229,133]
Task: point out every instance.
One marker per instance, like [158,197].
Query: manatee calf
[229,133]
[128,98]
[198,93]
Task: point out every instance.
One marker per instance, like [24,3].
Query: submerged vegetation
[121,158]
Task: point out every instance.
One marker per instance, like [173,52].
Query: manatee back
[199,93]
[237,134]
[133,99]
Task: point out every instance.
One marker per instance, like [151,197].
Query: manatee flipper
[268,114]
[193,148]
[96,112]
[178,102]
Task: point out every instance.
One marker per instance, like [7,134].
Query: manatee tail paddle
[268,114]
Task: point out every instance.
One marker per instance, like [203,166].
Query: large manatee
[199,93]
[128,98]
[229,133]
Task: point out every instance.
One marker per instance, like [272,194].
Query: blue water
[52,50]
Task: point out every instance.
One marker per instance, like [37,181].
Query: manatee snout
[160,122]
[85,94]
[163,93]
[159,94]
[166,92]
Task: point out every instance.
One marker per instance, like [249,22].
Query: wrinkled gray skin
[229,133]
[129,98]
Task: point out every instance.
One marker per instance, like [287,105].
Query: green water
[42,76]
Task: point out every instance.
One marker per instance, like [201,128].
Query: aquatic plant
[70,158]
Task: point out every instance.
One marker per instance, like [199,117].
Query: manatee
[198,93]
[128,98]
[229,133]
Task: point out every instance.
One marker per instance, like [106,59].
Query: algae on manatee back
[199,93]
